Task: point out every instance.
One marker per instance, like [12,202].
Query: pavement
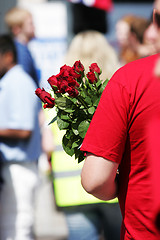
[49,223]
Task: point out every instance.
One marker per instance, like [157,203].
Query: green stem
[82,101]
[92,86]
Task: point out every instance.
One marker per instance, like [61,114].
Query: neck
[2,73]
[22,39]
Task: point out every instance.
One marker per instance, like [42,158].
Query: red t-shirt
[118,133]
[154,153]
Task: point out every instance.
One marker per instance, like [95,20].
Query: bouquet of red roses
[75,95]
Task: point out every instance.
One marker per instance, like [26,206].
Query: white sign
[50,18]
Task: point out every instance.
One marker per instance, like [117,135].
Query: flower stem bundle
[75,95]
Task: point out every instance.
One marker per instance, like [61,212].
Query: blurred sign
[48,54]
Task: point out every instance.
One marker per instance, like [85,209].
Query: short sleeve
[107,132]
[23,104]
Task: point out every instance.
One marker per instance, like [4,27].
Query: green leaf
[65,117]
[82,128]
[67,146]
[75,131]
[99,83]
[88,100]
[97,76]
[105,83]
[95,103]
[103,86]
[62,124]
[75,144]
[83,94]
[65,104]
[74,100]
[69,134]
[53,120]
[74,126]
[79,155]
[91,110]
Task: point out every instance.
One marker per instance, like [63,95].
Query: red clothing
[154,151]
[102,4]
[118,133]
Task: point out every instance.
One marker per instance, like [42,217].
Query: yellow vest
[66,176]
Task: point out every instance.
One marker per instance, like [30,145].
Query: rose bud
[91,77]
[94,68]
[45,97]
[53,81]
[78,67]
[73,92]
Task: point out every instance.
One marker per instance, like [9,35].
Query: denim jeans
[97,221]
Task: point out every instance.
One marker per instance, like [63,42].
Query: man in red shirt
[117,140]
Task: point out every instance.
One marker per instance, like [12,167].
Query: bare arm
[98,177]
[15,133]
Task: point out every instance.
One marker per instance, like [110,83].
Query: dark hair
[7,45]
[139,26]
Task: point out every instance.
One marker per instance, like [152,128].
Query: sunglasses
[157,19]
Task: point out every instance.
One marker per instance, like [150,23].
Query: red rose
[72,82]
[74,74]
[78,67]
[62,86]
[94,68]
[45,97]
[91,77]
[53,81]
[73,92]
[64,71]
[65,68]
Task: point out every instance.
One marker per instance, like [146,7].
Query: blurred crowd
[25,135]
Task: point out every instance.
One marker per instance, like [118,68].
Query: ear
[16,30]
[8,58]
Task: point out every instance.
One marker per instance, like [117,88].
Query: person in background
[130,101]
[92,46]
[137,42]
[20,145]
[122,34]
[86,217]
[151,35]
[20,24]
[130,31]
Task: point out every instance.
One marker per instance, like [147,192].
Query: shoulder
[19,45]
[134,71]
[18,77]
[22,50]
[141,65]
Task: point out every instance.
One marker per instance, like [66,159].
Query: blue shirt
[19,110]
[26,61]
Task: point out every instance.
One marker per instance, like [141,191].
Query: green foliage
[74,114]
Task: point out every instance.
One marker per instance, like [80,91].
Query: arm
[15,133]
[98,177]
